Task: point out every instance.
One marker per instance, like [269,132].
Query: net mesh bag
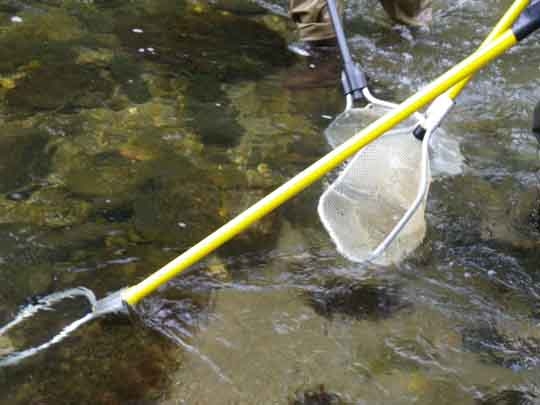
[374,190]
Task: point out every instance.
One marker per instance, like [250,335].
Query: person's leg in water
[317,43]
[416,13]
[536,119]
[315,30]
[318,40]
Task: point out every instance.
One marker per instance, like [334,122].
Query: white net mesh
[351,121]
[374,191]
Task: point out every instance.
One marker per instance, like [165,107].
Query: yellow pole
[504,23]
[470,65]
[467,67]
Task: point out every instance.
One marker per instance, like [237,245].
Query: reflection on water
[131,130]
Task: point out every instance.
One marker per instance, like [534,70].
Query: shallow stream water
[130,130]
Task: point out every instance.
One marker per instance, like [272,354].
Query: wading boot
[320,67]
[536,120]
[315,49]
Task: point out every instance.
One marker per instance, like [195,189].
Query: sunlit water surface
[130,130]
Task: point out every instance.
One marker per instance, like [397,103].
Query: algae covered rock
[42,37]
[109,364]
[6,346]
[55,25]
[181,208]
[66,86]
[217,269]
[209,48]
[126,71]
[101,130]
[205,45]
[90,56]
[114,152]
[23,157]
[45,207]
[106,174]
[44,71]
[273,131]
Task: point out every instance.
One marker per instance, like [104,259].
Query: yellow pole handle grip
[470,65]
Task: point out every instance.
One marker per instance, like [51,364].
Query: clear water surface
[130,130]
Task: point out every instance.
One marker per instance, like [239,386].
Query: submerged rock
[106,175]
[508,214]
[89,56]
[272,129]
[108,364]
[359,300]
[42,37]
[28,272]
[54,25]
[209,48]
[51,67]
[54,86]
[114,153]
[217,269]
[316,397]
[509,397]
[516,353]
[126,71]
[46,207]
[179,203]
[23,157]
[206,45]
[214,121]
